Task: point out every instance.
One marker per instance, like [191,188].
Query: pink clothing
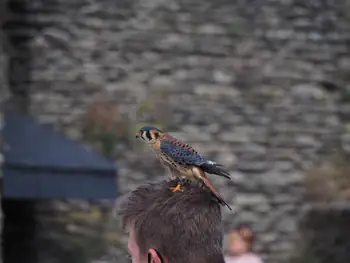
[245,258]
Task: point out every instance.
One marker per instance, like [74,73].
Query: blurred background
[262,87]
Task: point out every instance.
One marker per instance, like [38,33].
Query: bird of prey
[182,160]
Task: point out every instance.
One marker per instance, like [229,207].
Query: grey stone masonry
[4,94]
[248,83]
[1,161]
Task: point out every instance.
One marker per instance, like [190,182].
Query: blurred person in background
[167,227]
[240,246]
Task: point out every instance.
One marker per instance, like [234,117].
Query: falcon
[182,160]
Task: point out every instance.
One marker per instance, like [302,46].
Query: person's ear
[153,256]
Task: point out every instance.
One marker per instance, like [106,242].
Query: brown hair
[246,233]
[185,227]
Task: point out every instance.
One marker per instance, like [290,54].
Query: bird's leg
[185,181]
[177,188]
[175,175]
[171,173]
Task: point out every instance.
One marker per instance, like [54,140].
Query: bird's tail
[214,168]
[201,176]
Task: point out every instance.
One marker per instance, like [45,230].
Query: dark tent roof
[40,163]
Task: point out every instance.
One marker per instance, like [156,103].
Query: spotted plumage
[181,159]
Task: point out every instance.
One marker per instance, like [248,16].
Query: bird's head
[149,134]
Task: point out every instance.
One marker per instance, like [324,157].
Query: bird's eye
[148,135]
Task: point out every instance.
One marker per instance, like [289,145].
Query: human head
[184,227]
[241,240]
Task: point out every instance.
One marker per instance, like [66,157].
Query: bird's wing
[184,154]
[181,153]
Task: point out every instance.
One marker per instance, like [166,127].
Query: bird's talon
[177,188]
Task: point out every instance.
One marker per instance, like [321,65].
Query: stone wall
[1,161]
[255,85]
[4,93]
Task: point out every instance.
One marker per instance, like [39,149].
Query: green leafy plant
[99,127]
[104,125]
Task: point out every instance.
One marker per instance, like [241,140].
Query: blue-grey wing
[181,155]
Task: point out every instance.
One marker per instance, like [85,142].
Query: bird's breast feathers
[156,146]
